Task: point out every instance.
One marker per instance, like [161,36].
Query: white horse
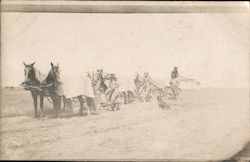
[127,87]
[80,87]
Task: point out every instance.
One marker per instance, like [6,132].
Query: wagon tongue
[23,84]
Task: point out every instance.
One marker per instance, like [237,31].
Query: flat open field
[202,124]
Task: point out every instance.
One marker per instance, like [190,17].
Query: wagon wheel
[115,101]
[115,106]
[103,102]
[149,96]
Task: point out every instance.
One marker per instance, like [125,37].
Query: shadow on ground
[244,153]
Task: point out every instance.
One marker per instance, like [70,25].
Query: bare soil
[206,124]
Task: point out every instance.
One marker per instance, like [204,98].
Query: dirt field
[202,124]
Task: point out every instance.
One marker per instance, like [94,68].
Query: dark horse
[99,81]
[53,85]
[32,81]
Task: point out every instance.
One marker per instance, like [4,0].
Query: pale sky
[211,48]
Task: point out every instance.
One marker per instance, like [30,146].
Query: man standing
[174,83]
[112,86]
[174,73]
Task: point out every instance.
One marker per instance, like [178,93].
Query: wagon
[114,99]
[145,93]
[175,88]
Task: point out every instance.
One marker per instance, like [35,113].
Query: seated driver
[174,76]
[112,86]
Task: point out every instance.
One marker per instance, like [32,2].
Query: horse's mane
[48,77]
[51,76]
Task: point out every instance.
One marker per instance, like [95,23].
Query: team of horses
[51,87]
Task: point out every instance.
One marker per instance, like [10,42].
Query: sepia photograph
[124,80]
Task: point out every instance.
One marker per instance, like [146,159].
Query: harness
[33,87]
[53,75]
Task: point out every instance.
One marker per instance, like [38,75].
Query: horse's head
[99,80]
[53,76]
[55,72]
[99,74]
[55,68]
[145,75]
[29,72]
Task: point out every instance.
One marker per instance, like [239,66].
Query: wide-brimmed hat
[175,67]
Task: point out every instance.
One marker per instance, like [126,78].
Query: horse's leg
[64,103]
[115,96]
[93,104]
[128,97]
[34,96]
[52,96]
[70,104]
[41,103]
[81,104]
[53,102]
[59,101]
[125,97]
[56,99]
[89,104]
[57,105]
[131,95]
[127,93]
[67,104]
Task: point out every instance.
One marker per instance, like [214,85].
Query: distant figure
[175,73]
[112,86]
[174,83]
